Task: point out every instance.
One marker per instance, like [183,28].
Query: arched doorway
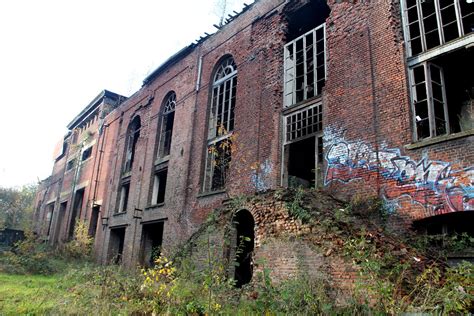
[245,238]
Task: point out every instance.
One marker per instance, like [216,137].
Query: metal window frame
[212,135]
[429,97]
[406,23]
[291,71]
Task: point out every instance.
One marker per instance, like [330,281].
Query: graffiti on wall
[436,185]
[261,176]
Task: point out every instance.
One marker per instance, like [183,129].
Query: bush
[29,256]
[80,247]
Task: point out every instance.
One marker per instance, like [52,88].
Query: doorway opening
[245,241]
[117,240]
[76,211]
[94,220]
[152,239]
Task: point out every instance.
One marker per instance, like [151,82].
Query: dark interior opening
[94,220]
[117,239]
[151,243]
[244,225]
[303,18]
[168,121]
[76,210]
[447,226]
[301,163]
[50,218]
[452,223]
[458,68]
[59,222]
[162,177]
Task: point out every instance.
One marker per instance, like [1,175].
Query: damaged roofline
[188,49]
[169,62]
[91,107]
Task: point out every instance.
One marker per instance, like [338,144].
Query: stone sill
[119,214]
[439,139]
[155,206]
[206,194]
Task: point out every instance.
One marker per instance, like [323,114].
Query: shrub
[29,256]
[80,247]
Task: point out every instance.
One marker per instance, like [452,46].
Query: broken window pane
[430,23]
[429,101]
[305,69]
[159,186]
[86,154]
[221,124]
[133,134]
[70,164]
[218,160]
[303,123]
[124,196]
[167,122]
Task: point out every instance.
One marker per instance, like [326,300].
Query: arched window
[133,133]
[167,121]
[221,125]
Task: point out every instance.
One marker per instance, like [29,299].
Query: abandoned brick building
[368,98]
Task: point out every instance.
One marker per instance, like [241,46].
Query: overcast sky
[56,56]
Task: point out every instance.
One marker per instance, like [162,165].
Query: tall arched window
[167,121]
[221,125]
[133,133]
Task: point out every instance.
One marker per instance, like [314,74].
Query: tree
[16,206]
[221,9]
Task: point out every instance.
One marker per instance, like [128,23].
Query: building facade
[361,98]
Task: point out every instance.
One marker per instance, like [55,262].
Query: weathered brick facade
[363,146]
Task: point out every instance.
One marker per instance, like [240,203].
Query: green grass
[32,294]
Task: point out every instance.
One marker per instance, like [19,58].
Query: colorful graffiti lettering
[433,184]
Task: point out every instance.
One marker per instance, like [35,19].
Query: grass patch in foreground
[32,294]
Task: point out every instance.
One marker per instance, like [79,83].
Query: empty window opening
[442,95]
[86,154]
[159,186]
[152,239]
[221,125]
[94,220]
[117,240]
[70,164]
[133,135]
[124,197]
[303,18]
[430,23]
[303,148]
[245,240]
[76,211]
[167,122]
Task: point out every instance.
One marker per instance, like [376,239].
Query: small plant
[159,283]
[295,208]
[80,247]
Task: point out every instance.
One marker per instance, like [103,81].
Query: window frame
[168,109]
[440,27]
[132,137]
[157,178]
[290,73]
[225,75]
[123,198]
